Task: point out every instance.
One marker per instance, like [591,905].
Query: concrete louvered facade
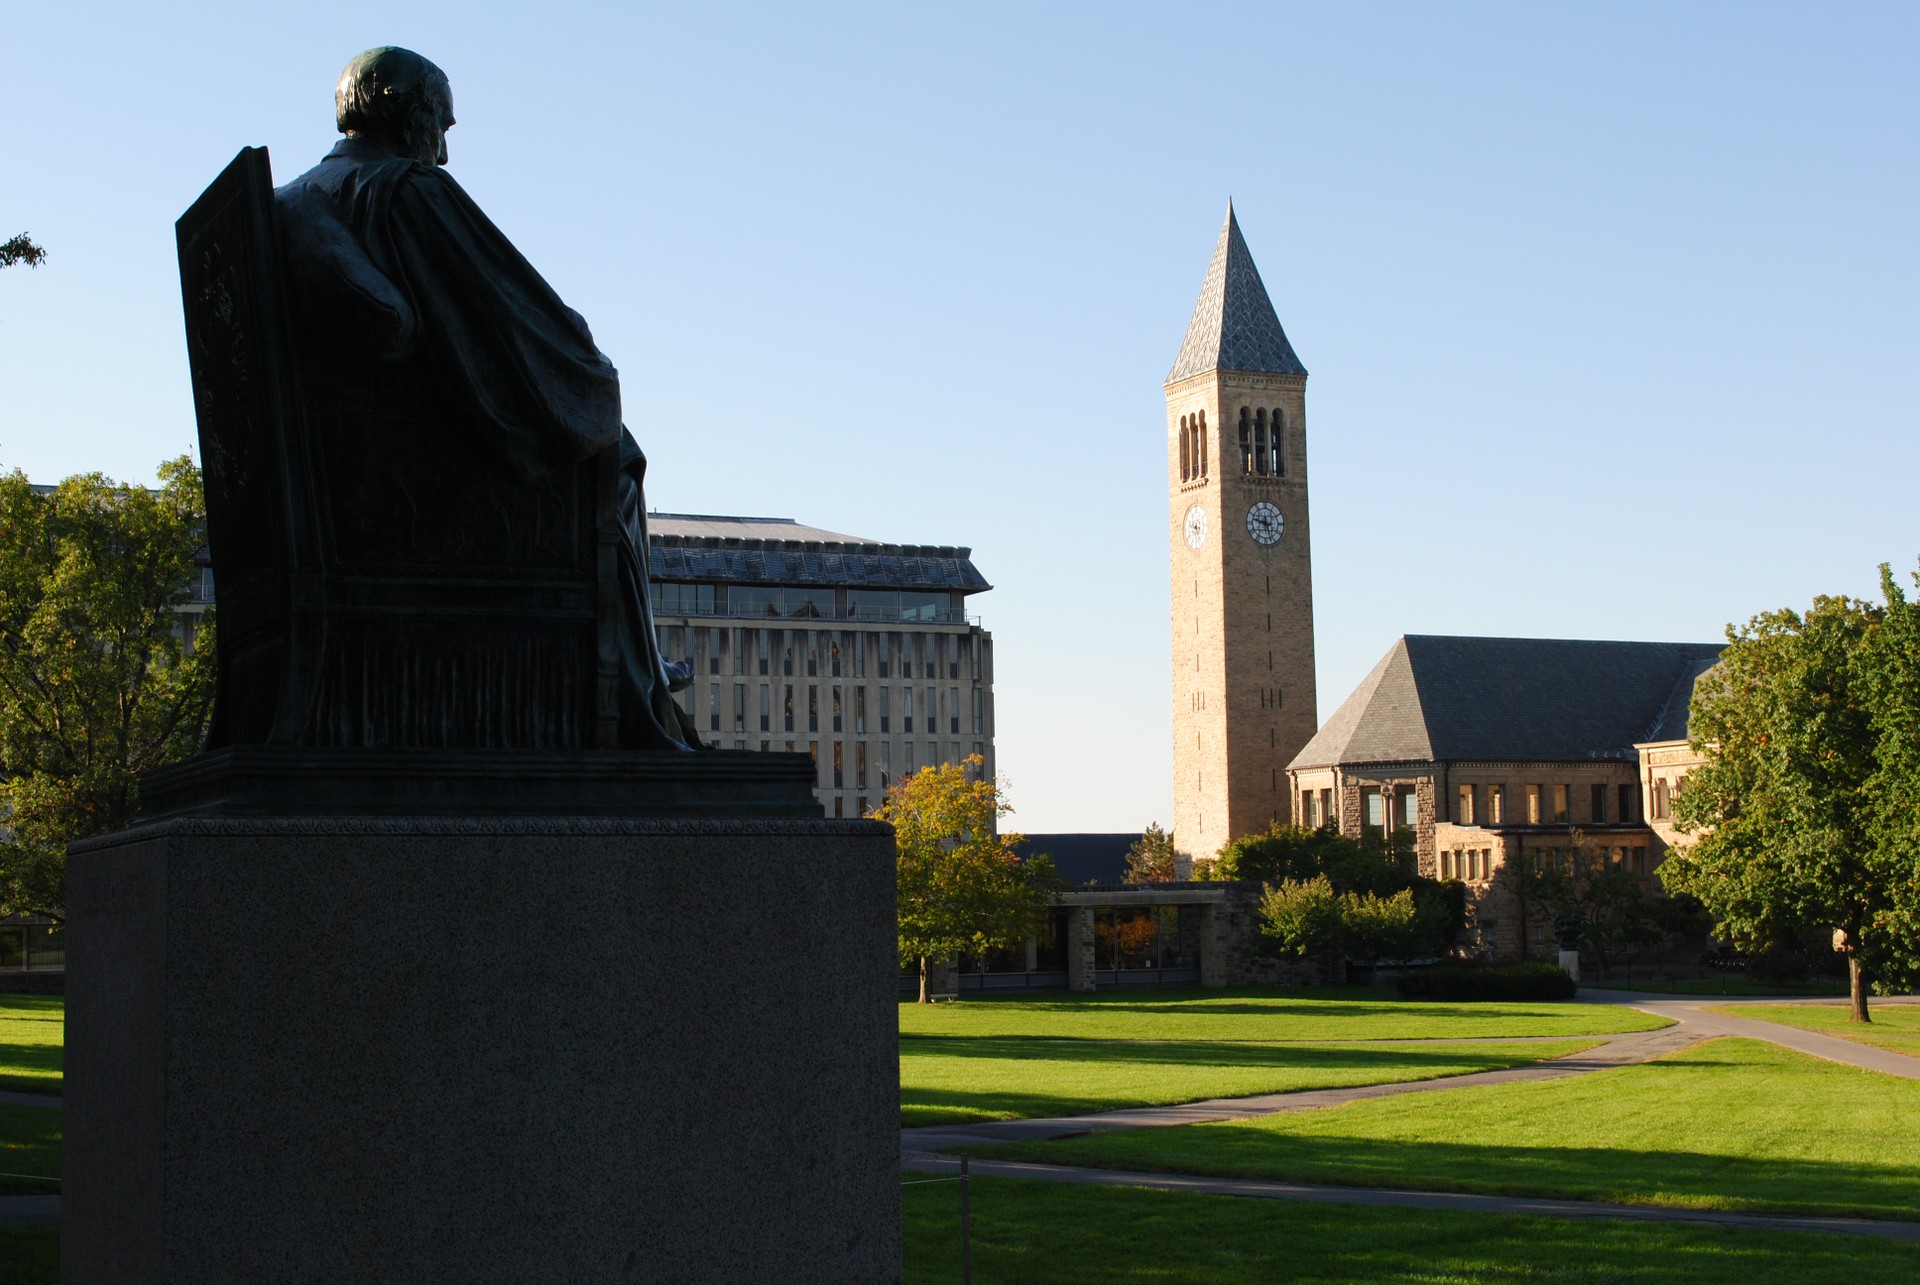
[859,652]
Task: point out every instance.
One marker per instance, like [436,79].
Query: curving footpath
[921,1148]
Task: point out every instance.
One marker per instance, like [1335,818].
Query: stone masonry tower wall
[1242,579]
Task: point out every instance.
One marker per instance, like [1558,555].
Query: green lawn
[1027,1231]
[29,1144]
[1318,1017]
[30,1255]
[949,1079]
[32,1031]
[1731,1124]
[1894,1026]
[1718,984]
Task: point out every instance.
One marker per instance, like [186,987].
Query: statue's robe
[393,262]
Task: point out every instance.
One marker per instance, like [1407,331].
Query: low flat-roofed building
[856,651]
[1496,751]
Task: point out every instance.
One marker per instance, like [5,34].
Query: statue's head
[398,99]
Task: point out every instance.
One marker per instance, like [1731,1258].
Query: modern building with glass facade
[857,652]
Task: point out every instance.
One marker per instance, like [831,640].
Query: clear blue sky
[1613,312]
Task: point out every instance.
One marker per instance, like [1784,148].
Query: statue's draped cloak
[406,268]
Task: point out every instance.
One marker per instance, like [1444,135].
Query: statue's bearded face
[426,140]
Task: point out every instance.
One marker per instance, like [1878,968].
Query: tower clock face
[1265,524]
[1196,527]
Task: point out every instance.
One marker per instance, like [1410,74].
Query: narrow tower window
[1260,456]
[1279,446]
[1246,440]
[1186,448]
[1202,437]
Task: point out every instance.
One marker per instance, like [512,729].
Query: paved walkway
[1692,1024]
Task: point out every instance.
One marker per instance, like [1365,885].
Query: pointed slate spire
[1234,326]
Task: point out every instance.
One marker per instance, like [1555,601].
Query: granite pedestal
[503,1049]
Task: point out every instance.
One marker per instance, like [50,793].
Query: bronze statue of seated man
[394,268]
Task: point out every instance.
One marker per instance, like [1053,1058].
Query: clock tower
[1242,601]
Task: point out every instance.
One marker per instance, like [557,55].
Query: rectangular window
[1496,804]
[859,655]
[739,707]
[860,765]
[717,649]
[908,749]
[834,653]
[766,708]
[1640,861]
[1373,808]
[979,645]
[932,711]
[886,764]
[813,708]
[813,749]
[813,655]
[760,648]
[1560,803]
[953,711]
[1306,808]
[1463,806]
[1327,816]
[979,712]
[839,765]
[789,707]
[1534,810]
[906,709]
[882,653]
[713,707]
[886,710]
[743,642]
[1625,815]
[860,710]
[838,717]
[933,753]
[1599,802]
[953,656]
[839,805]
[1409,809]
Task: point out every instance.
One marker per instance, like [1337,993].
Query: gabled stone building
[1496,751]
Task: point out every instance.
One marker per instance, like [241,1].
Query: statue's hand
[679,675]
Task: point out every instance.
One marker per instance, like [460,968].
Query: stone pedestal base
[336,1050]
[1570,963]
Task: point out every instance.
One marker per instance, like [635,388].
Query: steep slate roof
[1434,698]
[1234,326]
[1083,858]
[780,551]
[1672,723]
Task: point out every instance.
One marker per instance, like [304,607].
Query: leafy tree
[1305,917]
[1150,859]
[1893,690]
[1617,914]
[21,249]
[1791,841]
[1360,895]
[97,681]
[1301,917]
[962,887]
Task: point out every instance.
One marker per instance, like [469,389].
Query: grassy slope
[30,1255]
[1038,1231]
[1732,1124]
[948,1079]
[32,1031]
[1894,1026]
[1266,1016]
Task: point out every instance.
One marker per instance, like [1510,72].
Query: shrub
[1472,982]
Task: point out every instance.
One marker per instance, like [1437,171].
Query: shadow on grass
[1033,1077]
[1039,1231]
[1686,1179]
[1216,1053]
